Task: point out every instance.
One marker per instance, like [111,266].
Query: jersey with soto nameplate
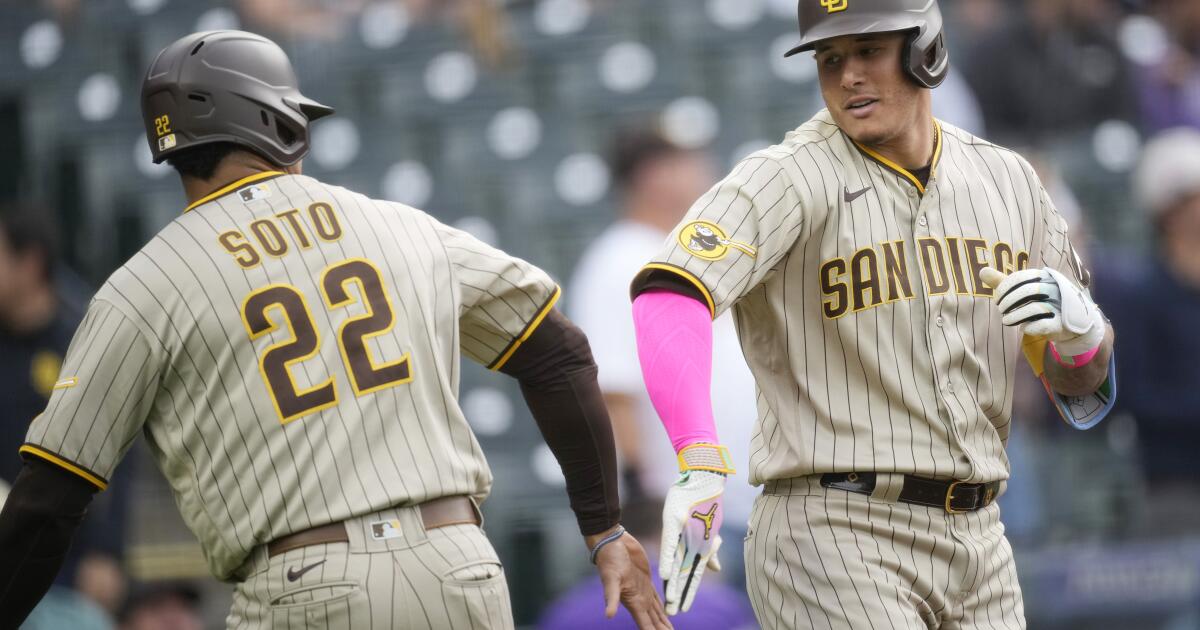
[291,351]
[856,292]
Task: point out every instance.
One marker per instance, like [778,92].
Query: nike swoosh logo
[293,574]
[850,197]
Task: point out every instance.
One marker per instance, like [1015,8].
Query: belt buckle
[950,497]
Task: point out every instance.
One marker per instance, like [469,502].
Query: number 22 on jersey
[366,375]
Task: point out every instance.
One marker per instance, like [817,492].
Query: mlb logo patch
[386,530]
[254,192]
[166,142]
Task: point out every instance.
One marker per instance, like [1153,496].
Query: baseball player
[885,270]
[290,350]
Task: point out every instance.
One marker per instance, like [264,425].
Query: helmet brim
[311,109]
[865,24]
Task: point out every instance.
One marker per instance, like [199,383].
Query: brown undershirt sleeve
[557,374]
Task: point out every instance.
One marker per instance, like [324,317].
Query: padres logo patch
[706,240]
[833,6]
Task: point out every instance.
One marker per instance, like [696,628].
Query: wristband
[1078,360]
[620,531]
[705,456]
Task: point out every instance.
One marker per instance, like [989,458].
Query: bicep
[733,237]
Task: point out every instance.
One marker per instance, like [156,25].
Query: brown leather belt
[435,513]
[952,496]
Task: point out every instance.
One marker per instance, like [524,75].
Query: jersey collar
[901,171]
[225,190]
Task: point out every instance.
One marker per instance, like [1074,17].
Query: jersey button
[940,320]
[922,221]
[912,192]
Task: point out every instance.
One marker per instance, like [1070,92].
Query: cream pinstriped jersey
[874,345]
[291,352]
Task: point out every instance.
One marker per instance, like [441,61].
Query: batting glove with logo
[1046,303]
[692,515]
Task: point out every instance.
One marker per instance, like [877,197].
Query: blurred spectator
[162,606]
[34,329]
[1053,68]
[974,18]
[1169,90]
[717,605]
[1156,308]
[659,182]
[484,23]
[64,609]
[37,321]
[305,19]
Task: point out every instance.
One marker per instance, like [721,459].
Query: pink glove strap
[674,339]
[1078,360]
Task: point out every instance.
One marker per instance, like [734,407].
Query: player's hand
[1045,303]
[692,515]
[625,574]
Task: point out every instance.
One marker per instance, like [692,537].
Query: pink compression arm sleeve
[675,347]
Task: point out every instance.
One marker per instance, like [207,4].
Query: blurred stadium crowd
[545,125]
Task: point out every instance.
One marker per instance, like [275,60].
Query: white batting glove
[1046,303]
[692,515]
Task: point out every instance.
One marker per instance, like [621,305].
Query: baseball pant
[826,558]
[391,574]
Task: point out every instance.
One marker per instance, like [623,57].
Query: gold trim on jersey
[91,477]
[66,383]
[225,190]
[900,170]
[537,321]
[691,278]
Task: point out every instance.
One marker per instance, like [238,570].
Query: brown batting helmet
[227,86]
[925,57]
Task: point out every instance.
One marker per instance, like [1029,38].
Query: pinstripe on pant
[446,578]
[819,558]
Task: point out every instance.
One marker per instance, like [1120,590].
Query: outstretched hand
[625,574]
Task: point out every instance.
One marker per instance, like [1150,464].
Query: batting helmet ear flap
[926,63]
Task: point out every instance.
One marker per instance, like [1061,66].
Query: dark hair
[28,228]
[201,161]
[633,149]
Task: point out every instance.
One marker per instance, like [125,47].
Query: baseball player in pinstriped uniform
[290,350]
[885,270]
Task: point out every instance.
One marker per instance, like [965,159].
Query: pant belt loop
[888,487]
[478,511]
